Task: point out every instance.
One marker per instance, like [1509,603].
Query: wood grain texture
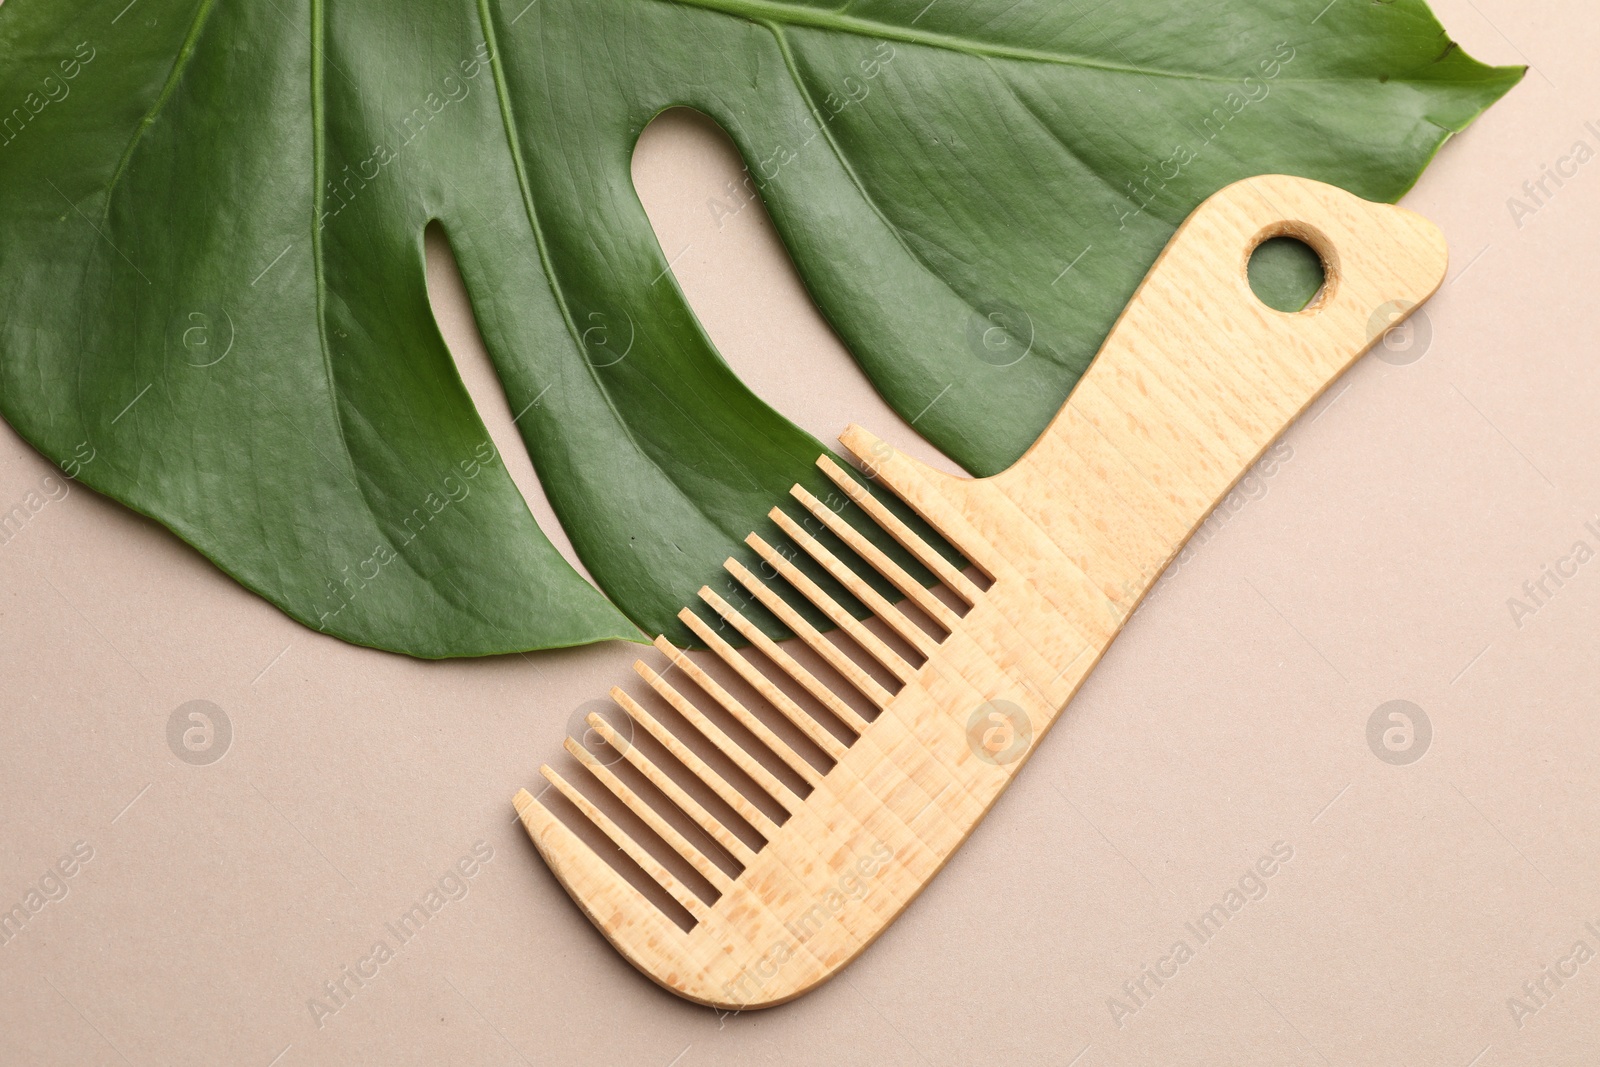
[1196,379]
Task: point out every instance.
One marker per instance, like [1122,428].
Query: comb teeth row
[771,792]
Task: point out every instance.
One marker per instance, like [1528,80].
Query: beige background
[1230,715]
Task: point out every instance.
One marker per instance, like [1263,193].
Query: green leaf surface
[211,256]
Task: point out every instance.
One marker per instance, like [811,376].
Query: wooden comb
[1196,379]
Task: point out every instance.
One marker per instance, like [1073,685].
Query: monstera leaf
[211,255]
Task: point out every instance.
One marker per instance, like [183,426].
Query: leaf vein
[849,169]
[201,16]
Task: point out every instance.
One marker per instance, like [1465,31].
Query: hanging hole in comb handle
[1290,267]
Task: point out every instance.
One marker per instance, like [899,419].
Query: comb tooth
[697,766]
[637,854]
[864,682]
[932,606]
[713,733]
[841,618]
[893,617]
[593,882]
[763,732]
[953,579]
[763,685]
[651,818]
[675,792]
[769,648]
